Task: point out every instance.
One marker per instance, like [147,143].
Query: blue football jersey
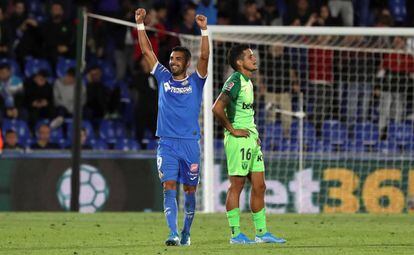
[179,103]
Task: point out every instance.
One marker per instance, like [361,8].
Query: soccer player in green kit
[234,109]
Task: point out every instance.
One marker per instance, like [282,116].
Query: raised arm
[144,42]
[218,110]
[202,64]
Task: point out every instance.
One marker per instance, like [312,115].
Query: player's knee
[259,188]
[189,189]
[170,185]
[236,187]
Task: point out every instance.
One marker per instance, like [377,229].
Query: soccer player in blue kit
[179,103]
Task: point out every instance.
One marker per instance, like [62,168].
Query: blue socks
[171,209]
[189,210]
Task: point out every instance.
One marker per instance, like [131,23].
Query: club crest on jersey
[194,168]
[167,86]
[184,83]
[229,86]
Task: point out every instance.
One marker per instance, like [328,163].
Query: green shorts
[243,155]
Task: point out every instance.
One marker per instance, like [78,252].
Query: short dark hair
[5,65]
[71,71]
[235,53]
[187,53]
[10,131]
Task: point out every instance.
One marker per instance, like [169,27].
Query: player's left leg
[257,206]
[257,202]
[189,176]
[189,212]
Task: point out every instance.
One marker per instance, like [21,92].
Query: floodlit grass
[144,233]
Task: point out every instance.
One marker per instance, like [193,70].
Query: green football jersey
[240,110]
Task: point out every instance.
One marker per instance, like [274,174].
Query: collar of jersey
[244,76]
[186,77]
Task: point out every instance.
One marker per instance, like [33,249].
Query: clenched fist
[201,21]
[140,15]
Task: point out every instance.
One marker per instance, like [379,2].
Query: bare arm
[202,64]
[218,110]
[144,42]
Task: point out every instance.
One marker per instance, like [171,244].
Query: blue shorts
[179,160]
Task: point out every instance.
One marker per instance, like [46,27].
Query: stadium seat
[286,145]
[273,132]
[85,124]
[388,147]
[126,145]
[21,128]
[33,65]
[400,133]
[152,144]
[98,144]
[334,132]
[309,132]
[317,146]
[366,133]
[218,145]
[63,65]
[14,66]
[111,130]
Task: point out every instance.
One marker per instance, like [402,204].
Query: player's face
[178,64]
[249,61]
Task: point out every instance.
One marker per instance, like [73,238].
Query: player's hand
[240,133]
[140,15]
[201,21]
[259,142]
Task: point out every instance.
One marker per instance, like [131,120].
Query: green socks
[259,220]
[233,216]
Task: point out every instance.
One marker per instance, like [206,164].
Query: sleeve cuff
[154,68]
[199,75]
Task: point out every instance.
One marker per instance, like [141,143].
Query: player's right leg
[168,168]
[237,176]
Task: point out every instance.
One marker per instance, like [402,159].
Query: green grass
[144,233]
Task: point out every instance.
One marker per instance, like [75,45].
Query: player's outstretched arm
[144,42]
[218,110]
[202,64]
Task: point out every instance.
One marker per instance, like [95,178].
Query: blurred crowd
[37,67]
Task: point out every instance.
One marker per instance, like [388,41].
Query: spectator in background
[11,87]
[270,14]
[11,141]
[207,8]
[355,71]
[324,18]
[321,93]
[57,34]
[124,43]
[299,14]
[84,140]
[251,15]
[97,95]
[5,37]
[398,10]
[280,80]
[43,139]
[27,36]
[188,25]
[344,9]
[39,98]
[63,95]
[144,86]
[395,73]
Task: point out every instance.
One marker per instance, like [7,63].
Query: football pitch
[144,233]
